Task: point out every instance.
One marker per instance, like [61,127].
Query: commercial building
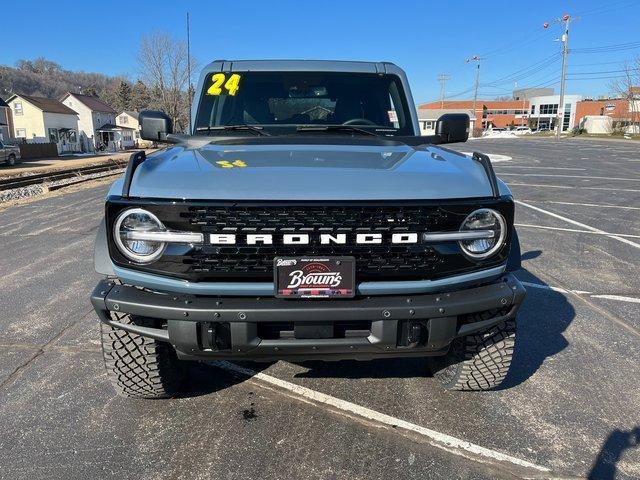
[543,112]
[494,113]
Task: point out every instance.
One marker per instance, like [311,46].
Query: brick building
[497,113]
[617,109]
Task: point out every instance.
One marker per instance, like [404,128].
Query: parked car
[9,154]
[522,130]
[305,218]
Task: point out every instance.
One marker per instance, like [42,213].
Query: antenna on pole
[189,88]
[442,78]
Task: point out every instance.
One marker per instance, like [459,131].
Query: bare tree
[162,61]
[627,87]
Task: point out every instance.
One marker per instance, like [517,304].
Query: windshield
[282,101]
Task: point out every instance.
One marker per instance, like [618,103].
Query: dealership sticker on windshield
[393,116]
[219,82]
[327,277]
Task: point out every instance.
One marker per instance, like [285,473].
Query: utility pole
[565,51]
[189,88]
[476,58]
[442,78]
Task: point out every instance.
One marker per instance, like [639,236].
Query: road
[570,403]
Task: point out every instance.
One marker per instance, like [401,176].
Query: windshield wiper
[335,128]
[242,126]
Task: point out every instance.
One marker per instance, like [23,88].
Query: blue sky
[422,37]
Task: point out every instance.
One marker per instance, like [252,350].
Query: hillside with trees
[163,86]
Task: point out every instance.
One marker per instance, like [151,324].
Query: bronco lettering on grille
[305,238]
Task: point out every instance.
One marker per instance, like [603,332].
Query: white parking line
[574,230]
[555,289]
[572,187]
[579,224]
[617,298]
[623,207]
[545,168]
[588,177]
[440,440]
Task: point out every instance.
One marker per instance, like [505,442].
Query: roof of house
[110,127]
[93,103]
[46,104]
[3,103]
[131,113]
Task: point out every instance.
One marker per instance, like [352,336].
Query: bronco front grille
[384,261]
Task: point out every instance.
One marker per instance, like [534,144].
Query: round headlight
[492,231]
[137,220]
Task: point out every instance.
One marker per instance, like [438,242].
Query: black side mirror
[453,127]
[155,125]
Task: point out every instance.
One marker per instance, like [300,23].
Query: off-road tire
[479,361]
[138,366]
[11,160]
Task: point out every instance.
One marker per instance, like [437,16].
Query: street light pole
[565,51]
[442,78]
[477,59]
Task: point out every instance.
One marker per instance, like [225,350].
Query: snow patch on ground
[494,157]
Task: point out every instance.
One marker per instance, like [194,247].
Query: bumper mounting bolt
[503,301]
[185,314]
[242,316]
[438,299]
[412,312]
[441,310]
[116,307]
[217,315]
[386,313]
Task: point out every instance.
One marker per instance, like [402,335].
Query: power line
[611,6]
[608,48]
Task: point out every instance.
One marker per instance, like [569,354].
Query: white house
[130,119]
[6,129]
[93,114]
[427,118]
[41,120]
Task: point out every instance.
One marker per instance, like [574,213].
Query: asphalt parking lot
[569,407]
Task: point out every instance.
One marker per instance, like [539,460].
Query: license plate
[311,277]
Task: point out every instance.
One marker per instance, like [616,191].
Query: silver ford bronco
[303,217]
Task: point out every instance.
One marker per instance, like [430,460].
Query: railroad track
[52,177]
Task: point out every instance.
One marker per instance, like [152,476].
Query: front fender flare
[101,259]
[514,260]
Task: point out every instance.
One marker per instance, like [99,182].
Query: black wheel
[479,361]
[139,366]
[11,160]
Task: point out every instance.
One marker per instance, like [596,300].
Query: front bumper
[383,326]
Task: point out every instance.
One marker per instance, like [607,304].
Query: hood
[387,171]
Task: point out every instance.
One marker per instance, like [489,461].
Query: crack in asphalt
[41,349]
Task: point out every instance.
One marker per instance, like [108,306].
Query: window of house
[21,132]
[17,108]
[53,135]
[124,120]
[73,136]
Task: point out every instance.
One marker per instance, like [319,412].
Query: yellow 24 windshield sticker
[228,164]
[220,81]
